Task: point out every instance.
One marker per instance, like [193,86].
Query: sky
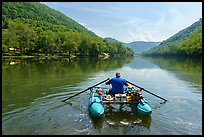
[132,21]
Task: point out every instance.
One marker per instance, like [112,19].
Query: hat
[117,74]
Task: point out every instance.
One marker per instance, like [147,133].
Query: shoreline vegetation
[103,56]
[33,29]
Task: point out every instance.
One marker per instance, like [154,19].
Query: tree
[69,47]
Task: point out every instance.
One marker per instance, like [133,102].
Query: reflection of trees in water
[125,115]
[66,65]
[32,78]
[78,68]
[185,68]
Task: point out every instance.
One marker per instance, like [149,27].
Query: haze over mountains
[186,42]
[136,46]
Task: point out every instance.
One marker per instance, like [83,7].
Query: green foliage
[40,12]
[33,28]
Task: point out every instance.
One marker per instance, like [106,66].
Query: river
[33,90]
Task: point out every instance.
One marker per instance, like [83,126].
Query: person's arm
[108,82]
[125,83]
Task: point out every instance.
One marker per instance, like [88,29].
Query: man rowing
[117,84]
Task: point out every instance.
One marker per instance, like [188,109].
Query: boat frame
[121,98]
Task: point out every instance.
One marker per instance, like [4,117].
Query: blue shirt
[117,84]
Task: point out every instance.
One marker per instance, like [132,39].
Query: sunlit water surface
[33,90]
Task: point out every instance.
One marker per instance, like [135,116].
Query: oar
[85,90]
[146,91]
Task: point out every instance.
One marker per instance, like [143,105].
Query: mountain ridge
[15,10]
[186,42]
[136,46]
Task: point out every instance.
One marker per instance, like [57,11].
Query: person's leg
[109,92]
[112,94]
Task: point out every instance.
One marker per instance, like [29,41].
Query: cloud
[141,29]
[142,36]
[127,22]
[135,22]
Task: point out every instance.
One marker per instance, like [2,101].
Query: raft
[99,96]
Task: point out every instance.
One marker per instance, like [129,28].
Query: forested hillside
[28,12]
[186,42]
[32,28]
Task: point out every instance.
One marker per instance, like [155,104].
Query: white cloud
[142,36]
[135,22]
[129,22]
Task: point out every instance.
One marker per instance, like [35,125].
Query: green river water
[33,90]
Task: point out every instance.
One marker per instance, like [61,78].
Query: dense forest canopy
[186,42]
[32,28]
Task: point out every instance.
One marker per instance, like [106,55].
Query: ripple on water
[181,115]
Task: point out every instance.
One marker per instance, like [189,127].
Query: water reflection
[32,92]
[125,115]
[97,122]
[33,78]
[184,68]
[117,115]
[14,62]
